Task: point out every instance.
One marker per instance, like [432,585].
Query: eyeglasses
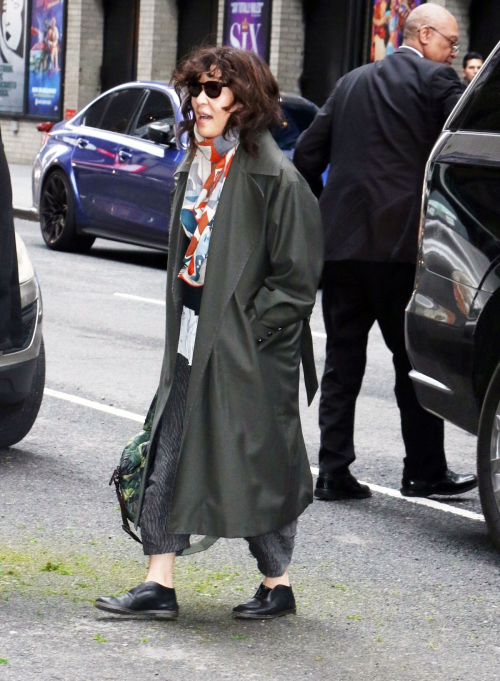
[212,88]
[454,45]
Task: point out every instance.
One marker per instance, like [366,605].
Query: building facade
[309,44]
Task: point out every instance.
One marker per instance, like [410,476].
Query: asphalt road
[386,589]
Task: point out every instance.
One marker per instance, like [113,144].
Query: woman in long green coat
[227,456]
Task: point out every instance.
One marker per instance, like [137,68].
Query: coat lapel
[237,230]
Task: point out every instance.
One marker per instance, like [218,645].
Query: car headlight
[26,271]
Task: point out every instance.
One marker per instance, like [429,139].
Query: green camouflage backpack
[127,476]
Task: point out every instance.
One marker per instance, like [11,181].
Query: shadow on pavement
[131,255]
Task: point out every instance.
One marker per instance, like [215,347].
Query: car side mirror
[161,133]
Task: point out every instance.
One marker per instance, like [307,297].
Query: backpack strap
[115,478]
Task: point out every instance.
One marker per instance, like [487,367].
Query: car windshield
[297,118]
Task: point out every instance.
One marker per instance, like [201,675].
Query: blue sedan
[109,171]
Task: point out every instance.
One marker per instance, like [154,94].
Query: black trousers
[355,295]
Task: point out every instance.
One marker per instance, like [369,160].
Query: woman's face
[12,22]
[211,118]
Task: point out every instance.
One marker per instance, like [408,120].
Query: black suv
[453,318]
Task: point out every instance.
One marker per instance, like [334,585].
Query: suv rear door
[461,233]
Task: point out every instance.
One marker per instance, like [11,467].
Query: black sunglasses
[212,88]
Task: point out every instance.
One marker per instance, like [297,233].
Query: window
[156,109]
[93,116]
[484,113]
[121,109]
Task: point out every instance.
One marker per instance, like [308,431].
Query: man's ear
[424,34]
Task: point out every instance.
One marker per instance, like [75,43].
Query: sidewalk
[22,195]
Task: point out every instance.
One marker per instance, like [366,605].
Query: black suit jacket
[376,131]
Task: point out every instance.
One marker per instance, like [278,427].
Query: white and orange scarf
[203,191]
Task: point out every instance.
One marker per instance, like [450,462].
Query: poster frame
[369,30]
[267,42]
[24,115]
[15,115]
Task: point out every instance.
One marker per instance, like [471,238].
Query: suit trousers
[355,295]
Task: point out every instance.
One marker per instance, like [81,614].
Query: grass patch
[40,571]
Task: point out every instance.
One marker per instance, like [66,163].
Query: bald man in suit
[376,131]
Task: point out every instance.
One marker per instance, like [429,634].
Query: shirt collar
[407,47]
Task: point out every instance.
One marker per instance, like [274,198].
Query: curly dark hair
[253,86]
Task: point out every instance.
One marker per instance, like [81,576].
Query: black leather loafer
[146,601]
[329,488]
[268,604]
[449,485]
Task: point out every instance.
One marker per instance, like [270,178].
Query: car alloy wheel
[57,216]
[495,455]
[54,209]
[488,458]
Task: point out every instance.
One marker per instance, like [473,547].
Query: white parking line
[430,503]
[375,488]
[140,299]
[94,405]
[155,301]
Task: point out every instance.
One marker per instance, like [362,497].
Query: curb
[26,214]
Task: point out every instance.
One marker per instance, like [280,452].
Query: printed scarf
[203,191]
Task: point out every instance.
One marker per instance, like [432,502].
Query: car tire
[16,420]
[488,458]
[57,216]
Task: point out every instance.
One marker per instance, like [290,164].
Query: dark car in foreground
[109,171]
[453,319]
[22,368]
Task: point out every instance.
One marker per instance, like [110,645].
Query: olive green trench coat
[243,469]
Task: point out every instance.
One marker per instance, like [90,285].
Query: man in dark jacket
[10,300]
[376,131]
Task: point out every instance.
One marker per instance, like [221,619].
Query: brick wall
[90,25]
[157,50]
[287,43]
[22,146]
[220,22]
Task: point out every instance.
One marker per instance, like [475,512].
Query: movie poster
[388,20]
[247,26]
[46,58]
[12,55]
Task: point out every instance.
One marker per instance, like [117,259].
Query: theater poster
[247,26]
[46,58]
[388,20]
[12,55]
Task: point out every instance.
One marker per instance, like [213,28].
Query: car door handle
[82,143]
[124,155]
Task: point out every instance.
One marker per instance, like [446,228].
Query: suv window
[484,114]
[121,109]
[156,109]
[296,119]
[94,113]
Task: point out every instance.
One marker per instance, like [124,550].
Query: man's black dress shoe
[450,484]
[268,604]
[149,600]
[329,488]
